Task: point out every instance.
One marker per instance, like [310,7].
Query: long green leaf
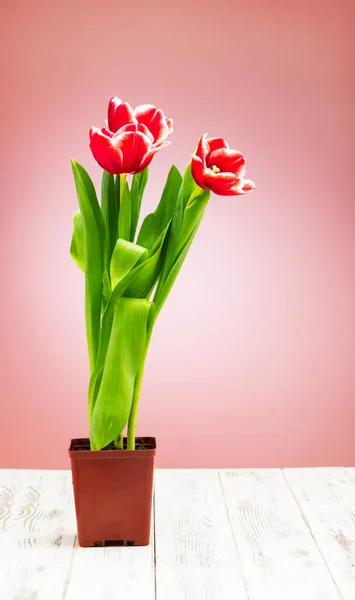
[77,249]
[192,215]
[136,201]
[125,355]
[156,222]
[94,244]
[192,218]
[124,257]
[163,293]
[173,242]
[138,283]
[110,214]
[139,182]
[185,214]
[143,179]
[106,290]
[189,185]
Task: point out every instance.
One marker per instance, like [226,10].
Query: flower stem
[131,428]
[122,184]
[131,431]
[119,442]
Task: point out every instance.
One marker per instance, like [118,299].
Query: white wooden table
[218,535]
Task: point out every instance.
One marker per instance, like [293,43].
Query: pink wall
[252,360]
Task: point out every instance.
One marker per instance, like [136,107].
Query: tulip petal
[158,126]
[219,182]
[108,157]
[124,142]
[107,132]
[147,159]
[198,170]
[119,114]
[144,129]
[142,144]
[125,128]
[248,186]
[103,131]
[203,148]
[154,120]
[228,160]
[149,155]
[144,113]
[244,186]
[217,143]
[133,146]
[94,130]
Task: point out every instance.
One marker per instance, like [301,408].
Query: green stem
[119,442]
[131,431]
[122,184]
[196,191]
[131,428]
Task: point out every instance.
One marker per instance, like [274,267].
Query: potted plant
[128,276]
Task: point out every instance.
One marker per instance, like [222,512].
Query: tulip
[218,168]
[131,138]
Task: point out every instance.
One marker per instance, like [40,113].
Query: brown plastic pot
[113,493]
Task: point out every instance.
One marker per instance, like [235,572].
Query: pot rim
[75,453]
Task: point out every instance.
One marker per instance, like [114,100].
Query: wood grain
[246,534]
[196,558]
[112,573]
[327,499]
[37,533]
[279,558]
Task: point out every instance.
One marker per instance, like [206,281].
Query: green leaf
[186,212]
[124,221]
[192,218]
[106,290]
[189,185]
[164,290]
[193,214]
[139,182]
[124,257]
[110,214]
[94,244]
[77,250]
[156,222]
[136,201]
[138,283]
[143,179]
[125,356]
[173,242]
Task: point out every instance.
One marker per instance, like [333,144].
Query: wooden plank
[196,558]
[37,533]
[113,573]
[279,558]
[326,497]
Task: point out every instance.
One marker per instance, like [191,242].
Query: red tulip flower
[131,138]
[218,168]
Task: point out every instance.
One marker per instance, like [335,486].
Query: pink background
[252,360]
